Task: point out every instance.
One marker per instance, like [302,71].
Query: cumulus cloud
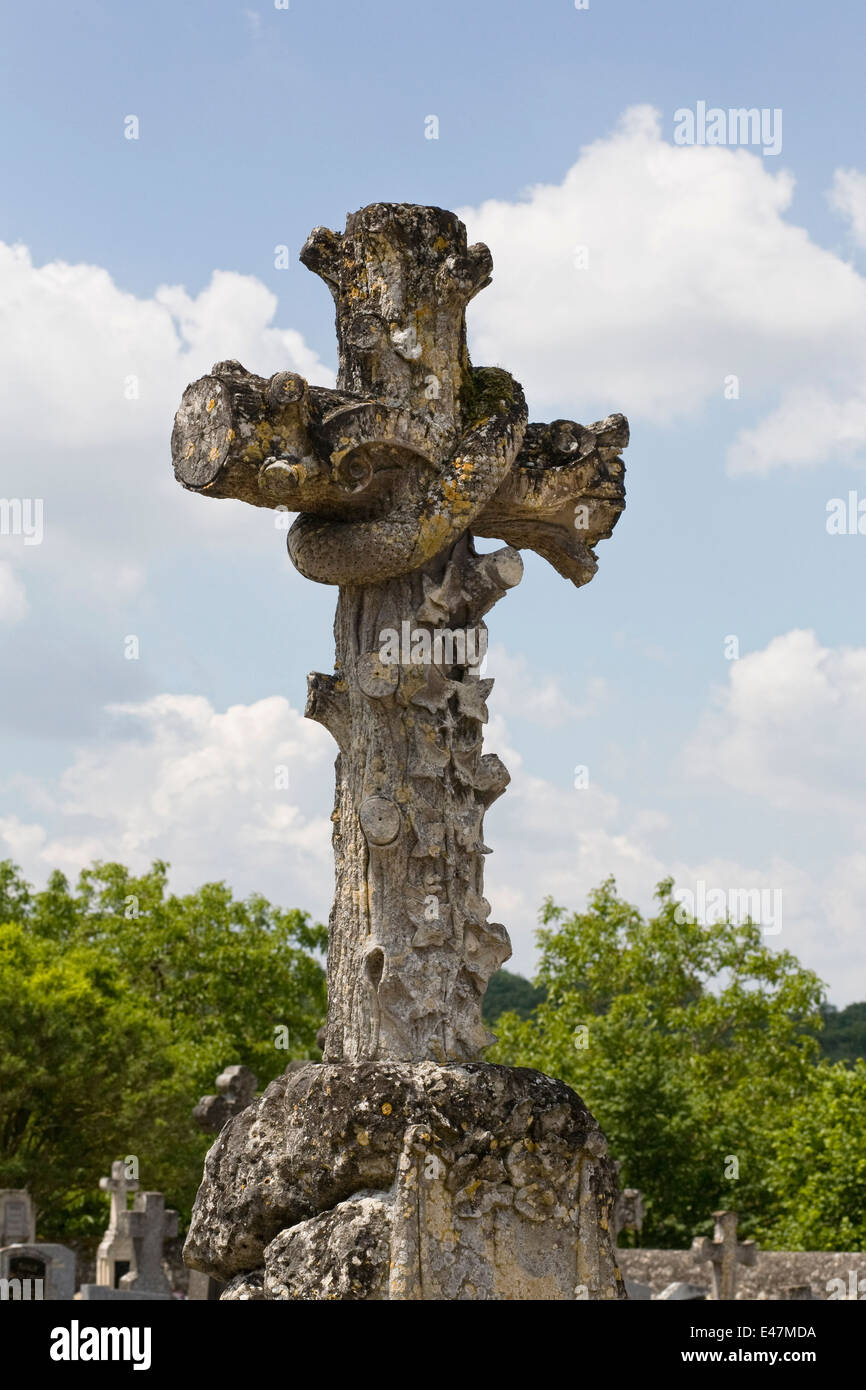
[652,273]
[789,727]
[848,196]
[90,378]
[522,693]
[176,779]
[241,794]
[13,596]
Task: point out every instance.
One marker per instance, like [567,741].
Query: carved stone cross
[393,474]
[725,1253]
[119,1186]
[114,1255]
[236,1087]
[628,1212]
[147,1226]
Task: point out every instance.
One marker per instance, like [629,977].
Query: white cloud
[72,339]
[90,379]
[790,727]
[694,273]
[180,781]
[13,596]
[521,693]
[848,196]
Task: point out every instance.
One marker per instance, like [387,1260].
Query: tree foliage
[119,1004]
[694,1046]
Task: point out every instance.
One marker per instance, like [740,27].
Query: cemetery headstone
[52,1266]
[681,1292]
[17,1217]
[628,1209]
[724,1253]
[236,1087]
[147,1226]
[114,1255]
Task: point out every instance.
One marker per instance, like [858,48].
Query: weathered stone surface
[342,1254]
[308,1178]
[392,473]
[245,1288]
[680,1292]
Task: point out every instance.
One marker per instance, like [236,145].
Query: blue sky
[151,258]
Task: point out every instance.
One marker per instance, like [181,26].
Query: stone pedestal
[400,1181]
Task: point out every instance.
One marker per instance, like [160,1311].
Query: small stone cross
[147,1226]
[236,1086]
[725,1253]
[118,1185]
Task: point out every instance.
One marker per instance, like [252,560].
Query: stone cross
[725,1253]
[393,474]
[119,1186]
[147,1226]
[236,1087]
[628,1211]
[114,1248]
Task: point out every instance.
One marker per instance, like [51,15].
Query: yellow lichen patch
[362,1137]
[190,450]
[211,404]
[435,532]
[230,434]
[214,454]
[386,1108]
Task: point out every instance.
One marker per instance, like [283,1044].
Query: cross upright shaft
[392,473]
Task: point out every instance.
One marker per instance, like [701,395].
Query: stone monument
[402,1166]
[37,1271]
[147,1226]
[114,1255]
[724,1253]
[17,1218]
[236,1087]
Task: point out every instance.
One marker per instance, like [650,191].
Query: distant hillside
[844,1035]
[843,1038]
[507,992]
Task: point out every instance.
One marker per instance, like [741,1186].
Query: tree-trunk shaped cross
[392,474]
[725,1253]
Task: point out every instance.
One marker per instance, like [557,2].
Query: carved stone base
[395,1180]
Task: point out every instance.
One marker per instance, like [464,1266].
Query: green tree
[510,993]
[119,1003]
[817,1167]
[687,1042]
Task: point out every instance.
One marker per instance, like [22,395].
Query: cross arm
[564,493]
